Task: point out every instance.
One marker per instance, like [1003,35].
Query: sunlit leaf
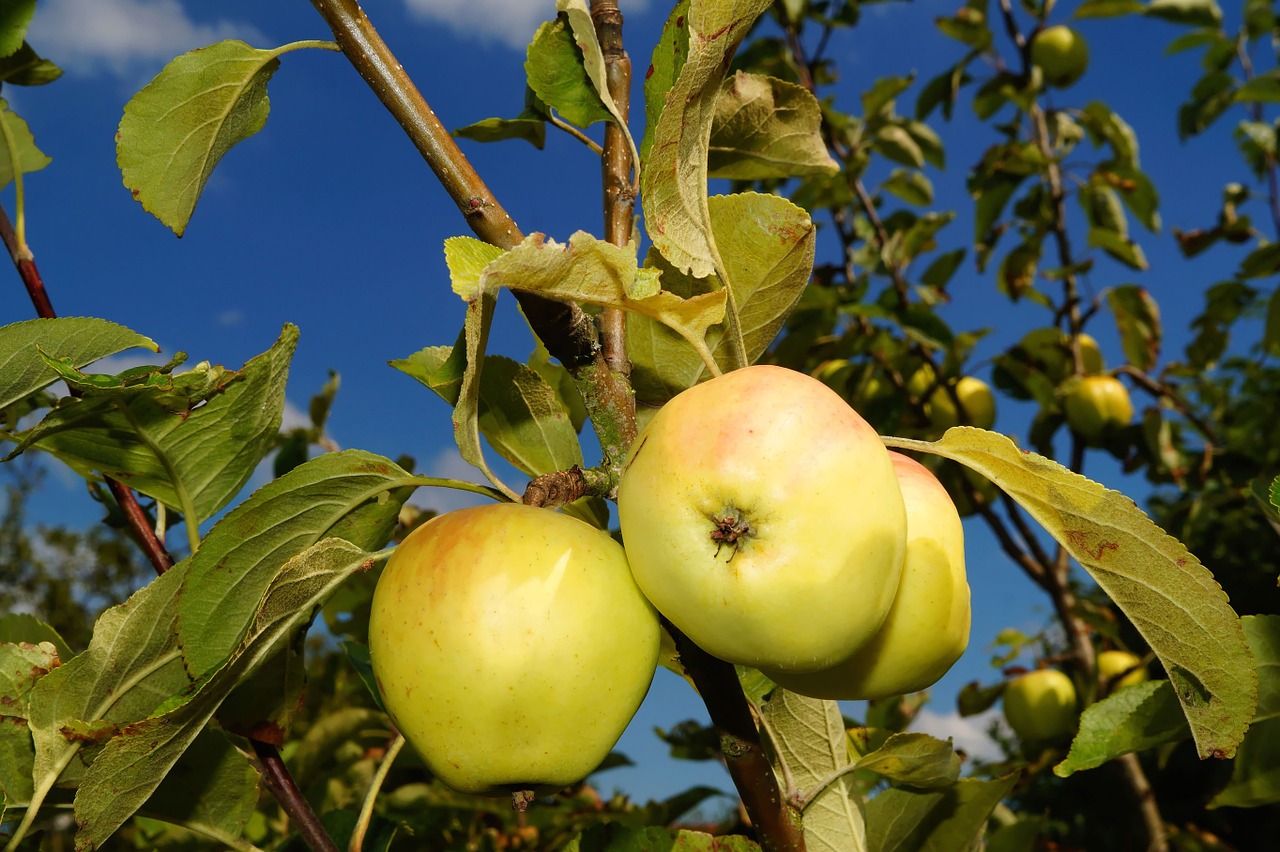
[21,668]
[669,56]
[674,178]
[553,66]
[766,128]
[809,736]
[17,627]
[615,837]
[1129,720]
[81,340]
[917,760]
[1198,13]
[27,68]
[1171,598]
[177,129]
[18,152]
[769,247]
[193,459]
[1138,318]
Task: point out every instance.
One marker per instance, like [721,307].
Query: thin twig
[281,784]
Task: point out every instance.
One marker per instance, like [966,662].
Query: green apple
[1061,54]
[976,397]
[1049,350]
[511,646]
[1040,706]
[928,625]
[1113,664]
[762,516]
[1096,406]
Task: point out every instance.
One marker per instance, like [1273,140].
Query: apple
[1096,406]
[762,516]
[1113,664]
[1040,706]
[1049,350]
[976,397]
[511,646]
[1061,54]
[928,625]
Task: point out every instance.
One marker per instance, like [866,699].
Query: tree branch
[566,330]
[281,784]
[777,825]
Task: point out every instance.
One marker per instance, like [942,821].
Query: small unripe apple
[928,626]
[762,516]
[1114,663]
[976,397]
[1040,706]
[1096,406]
[1061,54]
[1049,350]
[511,646]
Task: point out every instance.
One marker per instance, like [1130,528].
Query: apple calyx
[731,526]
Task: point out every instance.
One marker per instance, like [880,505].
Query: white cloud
[967,733]
[121,35]
[509,22]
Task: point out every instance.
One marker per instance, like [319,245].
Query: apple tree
[784,238]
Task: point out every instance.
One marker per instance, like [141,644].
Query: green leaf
[362,662]
[895,143]
[1262,262]
[1108,8]
[1271,331]
[212,790]
[584,32]
[673,181]
[1132,719]
[27,68]
[1118,246]
[466,409]
[519,413]
[18,627]
[134,763]
[466,258]
[1265,88]
[916,760]
[669,56]
[176,130]
[132,665]
[615,837]
[530,128]
[766,128]
[769,247]
[1171,598]
[553,66]
[18,152]
[910,185]
[351,495]
[809,737]
[21,668]
[193,460]
[80,340]
[1138,318]
[1255,774]
[15,17]
[903,820]
[1196,13]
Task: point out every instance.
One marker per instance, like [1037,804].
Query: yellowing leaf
[597,272]
[467,257]
[674,178]
[1171,598]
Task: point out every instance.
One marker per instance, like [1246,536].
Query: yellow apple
[1112,664]
[1096,406]
[1061,54]
[762,516]
[1049,350]
[511,646]
[976,397]
[1040,706]
[928,625]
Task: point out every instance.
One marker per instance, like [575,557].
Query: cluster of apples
[1041,706]
[761,516]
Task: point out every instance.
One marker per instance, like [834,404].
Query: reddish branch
[778,827]
[275,774]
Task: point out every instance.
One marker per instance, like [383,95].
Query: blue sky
[330,220]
